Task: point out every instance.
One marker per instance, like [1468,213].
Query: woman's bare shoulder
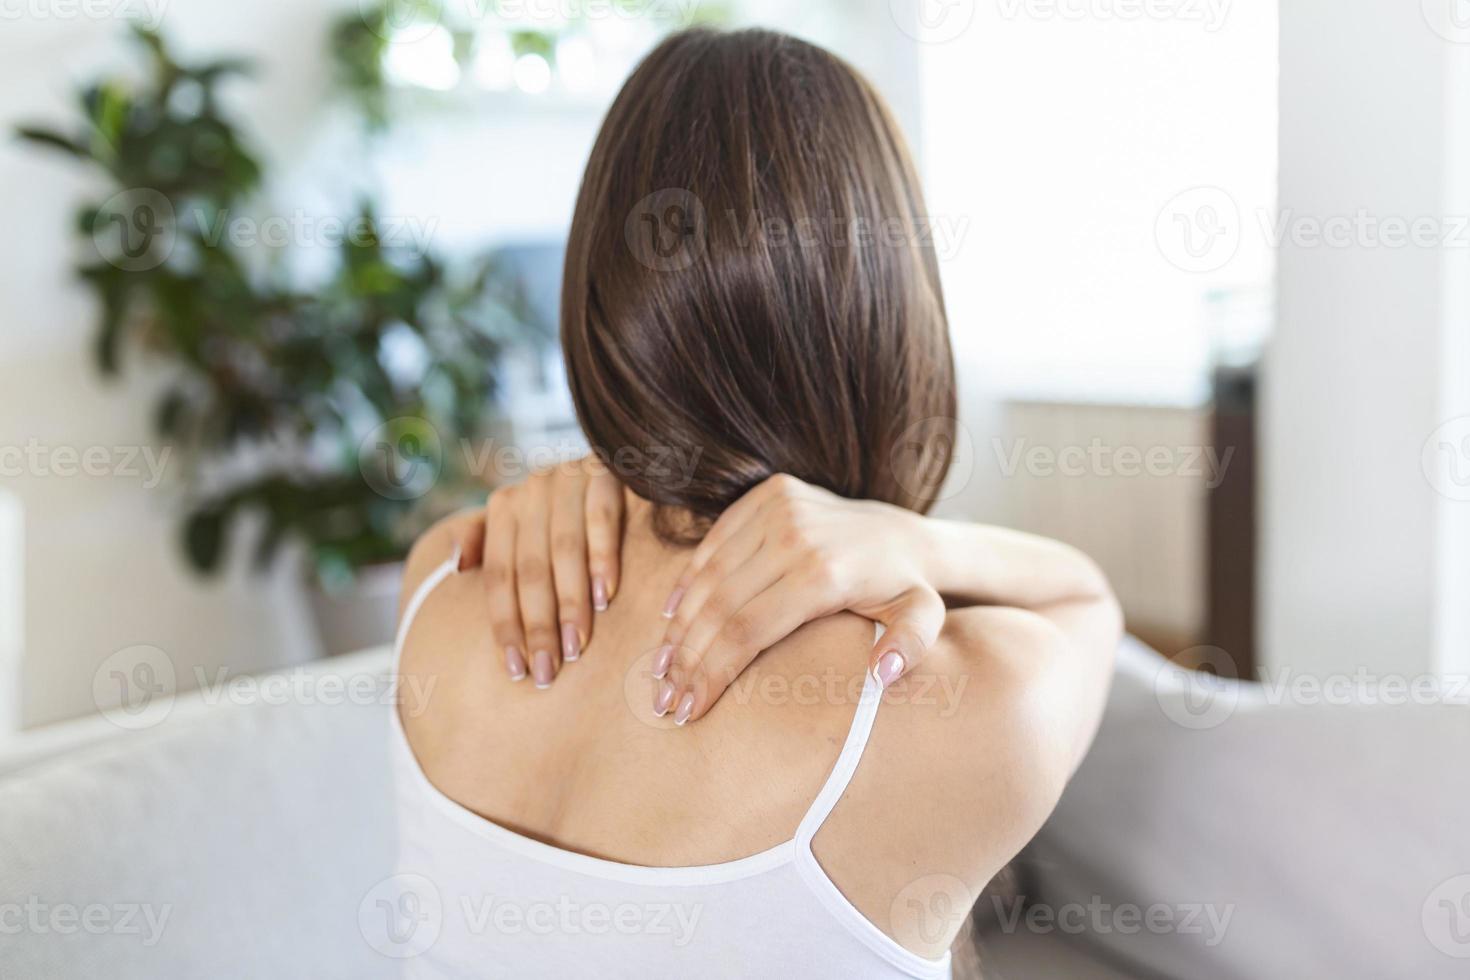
[432,549]
[962,768]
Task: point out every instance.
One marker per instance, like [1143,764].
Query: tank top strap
[847,762]
[427,586]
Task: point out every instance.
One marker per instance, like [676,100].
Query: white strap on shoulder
[428,585]
[847,762]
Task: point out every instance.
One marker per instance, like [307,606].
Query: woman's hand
[783,555]
[550,549]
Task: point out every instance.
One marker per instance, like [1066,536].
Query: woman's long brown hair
[750,287]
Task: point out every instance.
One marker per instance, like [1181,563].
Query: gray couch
[1230,837]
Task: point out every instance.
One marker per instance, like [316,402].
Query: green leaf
[53,139]
[169,419]
[204,539]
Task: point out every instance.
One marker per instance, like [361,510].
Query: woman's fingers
[550,548]
[500,583]
[912,625]
[718,612]
[604,519]
[763,622]
[533,581]
[686,603]
[569,564]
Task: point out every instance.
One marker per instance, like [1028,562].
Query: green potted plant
[334,414]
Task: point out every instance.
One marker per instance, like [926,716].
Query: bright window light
[423,58]
[532,74]
[576,63]
[495,61]
[1111,184]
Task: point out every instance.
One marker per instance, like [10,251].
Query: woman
[712,781]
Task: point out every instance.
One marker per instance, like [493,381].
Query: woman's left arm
[788,553]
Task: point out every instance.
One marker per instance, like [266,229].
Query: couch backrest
[1271,837]
[234,839]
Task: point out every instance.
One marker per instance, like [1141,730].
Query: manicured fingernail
[662,698]
[890,667]
[541,669]
[686,708]
[672,606]
[571,643]
[599,594]
[664,660]
[515,663]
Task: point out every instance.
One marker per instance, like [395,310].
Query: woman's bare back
[951,784]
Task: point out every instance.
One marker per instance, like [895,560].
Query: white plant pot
[364,616]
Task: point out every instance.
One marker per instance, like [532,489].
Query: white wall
[1363,560]
[12,554]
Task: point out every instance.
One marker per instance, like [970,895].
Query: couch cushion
[1333,837]
[237,841]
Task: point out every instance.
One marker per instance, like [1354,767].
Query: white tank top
[472,899]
